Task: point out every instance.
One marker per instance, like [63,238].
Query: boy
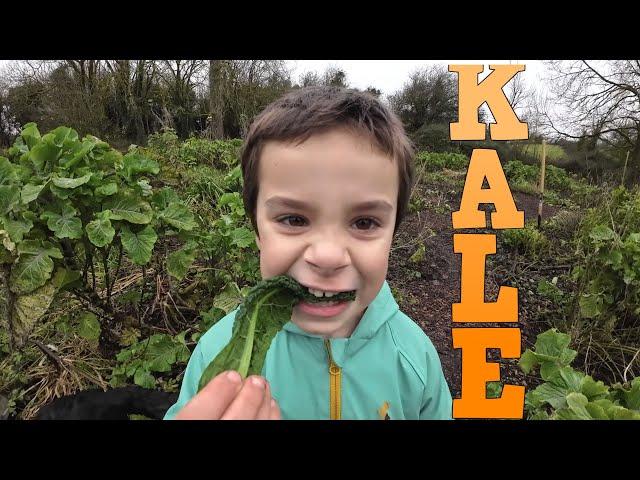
[327,177]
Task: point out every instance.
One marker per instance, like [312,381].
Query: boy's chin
[321,327]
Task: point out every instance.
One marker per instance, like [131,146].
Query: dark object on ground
[4,407]
[116,404]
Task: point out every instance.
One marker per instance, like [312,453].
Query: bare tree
[252,85]
[429,97]
[181,79]
[69,92]
[133,92]
[309,79]
[374,91]
[332,76]
[519,94]
[335,77]
[7,122]
[601,101]
[217,87]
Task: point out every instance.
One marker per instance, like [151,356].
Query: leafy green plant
[222,154]
[70,209]
[582,193]
[264,311]
[567,394]
[419,255]
[229,247]
[158,353]
[527,241]
[557,178]
[494,389]
[166,141]
[608,275]
[551,291]
[205,184]
[417,203]
[223,303]
[518,172]
[561,188]
[437,161]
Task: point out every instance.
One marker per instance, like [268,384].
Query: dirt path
[428,288]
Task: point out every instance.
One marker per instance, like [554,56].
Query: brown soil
[428,288]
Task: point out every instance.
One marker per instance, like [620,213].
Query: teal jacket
[387,369]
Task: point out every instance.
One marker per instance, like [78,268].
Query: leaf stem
[245,359]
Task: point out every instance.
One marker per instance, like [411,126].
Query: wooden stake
[624,171]
[543,161]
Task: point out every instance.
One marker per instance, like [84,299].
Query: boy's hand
[227,397]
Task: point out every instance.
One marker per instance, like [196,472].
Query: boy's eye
[292,221]
[366,224]
[362,224]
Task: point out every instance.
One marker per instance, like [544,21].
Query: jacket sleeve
[437,403]
[190,381]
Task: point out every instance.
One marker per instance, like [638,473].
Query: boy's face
[314,224]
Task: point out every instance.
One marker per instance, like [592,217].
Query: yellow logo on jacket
[383,411]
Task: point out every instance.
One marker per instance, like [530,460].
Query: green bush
[557,179]
[433,137]
[165,140]
[551,291]
[437,161]
[519,173]
[584,194]
[158,353]
[68,208]
[417,203]
[229,247]
[567,394]
[608,244]
[526,241]
[221,154]
[205,183]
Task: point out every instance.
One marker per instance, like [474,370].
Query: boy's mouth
[320,302]
[326,297]
[323,309]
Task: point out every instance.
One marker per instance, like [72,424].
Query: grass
[555,153]
[32,378]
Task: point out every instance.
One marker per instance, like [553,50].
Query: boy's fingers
[248,402]
[275,411]
[265,409]
[214,399]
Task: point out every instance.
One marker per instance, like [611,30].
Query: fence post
[624,171]
[543,161]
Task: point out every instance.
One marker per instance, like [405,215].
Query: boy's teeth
[320,293]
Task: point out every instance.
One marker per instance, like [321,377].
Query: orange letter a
[485,163]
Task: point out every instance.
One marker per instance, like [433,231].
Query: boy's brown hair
[302,113]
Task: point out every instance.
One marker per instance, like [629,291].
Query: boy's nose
[326,256]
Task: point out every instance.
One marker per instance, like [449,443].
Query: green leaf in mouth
[338,297]
[263,312]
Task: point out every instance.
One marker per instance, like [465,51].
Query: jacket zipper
[335,378]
